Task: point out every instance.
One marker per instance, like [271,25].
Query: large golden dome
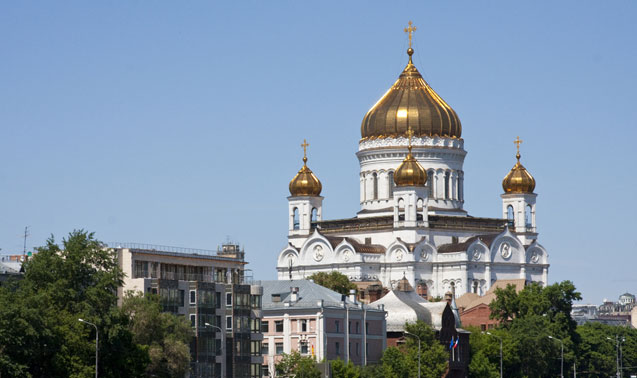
[305,183]
[518,180]
[410,172]
[411,103]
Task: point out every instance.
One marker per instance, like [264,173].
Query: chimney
[352,295]
[294,294]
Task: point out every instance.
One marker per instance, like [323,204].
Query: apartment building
[303,316]
[211,290]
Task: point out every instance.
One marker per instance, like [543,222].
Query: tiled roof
[460,247]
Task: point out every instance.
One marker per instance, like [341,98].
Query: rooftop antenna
[26,234]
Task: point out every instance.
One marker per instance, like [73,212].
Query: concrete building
[211,290]
[303,316]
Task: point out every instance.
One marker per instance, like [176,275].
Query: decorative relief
[505,250]
[535,257]
[347,255]
[318,253]
[399,255]
[424,255]
[418,142]
[476,254]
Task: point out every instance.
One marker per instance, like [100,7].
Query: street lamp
[411,334]
[561,358]
[499,338]
[97,337]
[616,354]
[222,340]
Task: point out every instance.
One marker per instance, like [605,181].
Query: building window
[358,349]
[390,178]
[265,348]
[228,299]
[304,348]
[375,185]
[278,325]
[430,183]
[193,297]
[295,218]
[337,346]
[358,327]
[265,370]
[255,325]
[182,298]
[510,216]
[314,214]
[338,326]
[229,323]
[218,299]
[303,325]
[367,328]
[265,326]
[447,184]
[278,348]
[349,327]
[527,217]
[193,320]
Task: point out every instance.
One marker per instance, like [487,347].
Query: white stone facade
[421,233]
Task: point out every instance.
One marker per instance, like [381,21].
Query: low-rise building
[211,290]
[303,316]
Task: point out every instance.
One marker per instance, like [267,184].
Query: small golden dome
[411,103]
[410,172]
[305,183]
[518,180]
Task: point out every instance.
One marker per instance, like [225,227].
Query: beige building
[211,290]
[318,322]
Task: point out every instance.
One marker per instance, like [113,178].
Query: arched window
[510,216]
[314,214]
[375,184]
[527,217]
[390,177]
[460,182]
[475,287]
[419,209]
[295,218]
[401,209]
[430,183]
[447,183]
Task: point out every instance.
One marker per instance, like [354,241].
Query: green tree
[402,362]
[294,365]
[39,329]
[340,369]
[334,280]
[164,335]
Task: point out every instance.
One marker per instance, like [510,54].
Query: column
[287,328]
[487,274]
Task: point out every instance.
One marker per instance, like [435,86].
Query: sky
[180,124]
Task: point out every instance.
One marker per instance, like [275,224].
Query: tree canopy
[163,335]
[40,335]
[334,280]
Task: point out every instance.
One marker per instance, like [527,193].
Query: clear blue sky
[180,123]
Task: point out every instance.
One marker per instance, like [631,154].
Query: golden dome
[305,183]
[410,172]
[411,103]
[518,180]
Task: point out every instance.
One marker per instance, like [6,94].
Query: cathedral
[412,223]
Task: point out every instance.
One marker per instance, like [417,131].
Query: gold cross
[410,30]
[305,145]
[517,142]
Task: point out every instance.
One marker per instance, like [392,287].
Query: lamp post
[499,338]
[616,352]
[562,357]
[418,338]
[222,340]
[97,347]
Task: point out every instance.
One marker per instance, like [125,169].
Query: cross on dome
[409,30]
